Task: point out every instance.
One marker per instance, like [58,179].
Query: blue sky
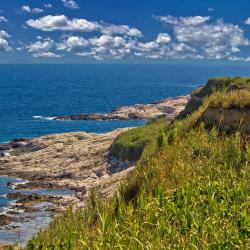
[62,31]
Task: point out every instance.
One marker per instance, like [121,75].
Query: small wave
[193,86]
[48,118]
[6,208]
[21,182]
[18,182]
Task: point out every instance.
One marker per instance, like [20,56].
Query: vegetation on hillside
[140,142]
[239,99]
[221,85]
[225,84]
[192,192]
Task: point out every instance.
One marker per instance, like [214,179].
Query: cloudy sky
[119,30]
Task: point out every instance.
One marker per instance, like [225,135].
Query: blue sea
[31,94]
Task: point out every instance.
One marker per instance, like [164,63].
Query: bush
[223,84]
[132,144]
[220,85]
[239,99]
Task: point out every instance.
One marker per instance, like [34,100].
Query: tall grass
[193,194]
[223,84]
[239,99]
[190,190]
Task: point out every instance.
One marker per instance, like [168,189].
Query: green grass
[194,194]
[239,99]
[139,142]
[222,84]
[214,85]
[191,192]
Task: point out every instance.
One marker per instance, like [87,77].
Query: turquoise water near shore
[31,91]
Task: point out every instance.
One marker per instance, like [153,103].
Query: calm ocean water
[27,91]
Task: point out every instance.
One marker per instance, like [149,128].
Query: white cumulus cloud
[42,48]
[3,19]
[39,46]
[208,39]
[47,54]
[73,44]
[184,37]
[190,20]
[28,9]
[70,4]
[61,22]
[4,44]
[99,48]
[48,5]
[163,38]
[110,29]
[247,21]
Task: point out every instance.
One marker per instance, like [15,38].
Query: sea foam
[48,118]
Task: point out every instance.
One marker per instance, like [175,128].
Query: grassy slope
[238,99]
[193,193]
[139,142]
[222,85]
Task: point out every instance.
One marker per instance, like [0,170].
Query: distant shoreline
[168,107]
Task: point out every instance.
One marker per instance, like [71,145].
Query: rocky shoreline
[169,108]
[70,160]
[76,161]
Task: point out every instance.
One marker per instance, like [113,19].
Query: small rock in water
[4,219]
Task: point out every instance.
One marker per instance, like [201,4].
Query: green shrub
[221,84]
[131,144]
[239,99]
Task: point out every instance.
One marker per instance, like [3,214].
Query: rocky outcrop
[227,120]
[4,219]
[21,145]
[77,161]
[169,108]
[15,143]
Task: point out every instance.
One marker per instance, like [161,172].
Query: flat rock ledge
[169,107]
[78,161]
